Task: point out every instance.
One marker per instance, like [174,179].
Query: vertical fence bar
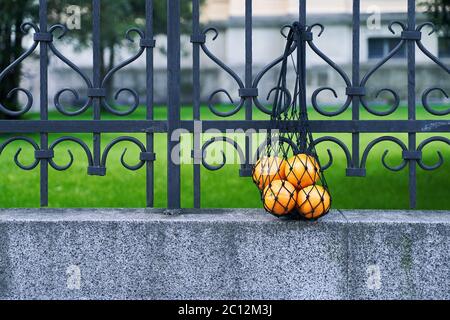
[43,46]
[356,78]
[302,45]
[301,65]
[173,94]
[248,56]
[248,81]
[96,12]
[150,167]
[412,137]
[196,100]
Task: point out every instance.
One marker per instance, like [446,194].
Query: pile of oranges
[292,185]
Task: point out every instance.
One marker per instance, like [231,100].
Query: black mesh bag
[288,171]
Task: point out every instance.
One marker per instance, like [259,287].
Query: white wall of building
[215,10]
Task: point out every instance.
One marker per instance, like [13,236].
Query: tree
[12,15]
[117,17]
[439,13]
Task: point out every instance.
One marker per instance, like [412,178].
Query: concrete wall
[226,254]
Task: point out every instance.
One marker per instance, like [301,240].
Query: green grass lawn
[122,188]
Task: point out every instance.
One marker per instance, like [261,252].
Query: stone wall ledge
[222,254]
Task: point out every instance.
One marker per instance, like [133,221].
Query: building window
[380,48]
[444,47]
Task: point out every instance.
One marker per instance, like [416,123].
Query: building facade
[336,41]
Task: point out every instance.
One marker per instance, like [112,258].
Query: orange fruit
[302,171]
[268,169]
[313,202]
[280,197]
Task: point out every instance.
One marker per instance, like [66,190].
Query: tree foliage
[439,13]
[117,17]
[12,15]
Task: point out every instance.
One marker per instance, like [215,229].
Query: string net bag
[288,171]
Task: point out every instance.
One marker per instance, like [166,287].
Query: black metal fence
[410,36]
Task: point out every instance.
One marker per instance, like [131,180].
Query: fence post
[173,98]
[412,137]
[301,65]
[96,39]
[356,83]
[248,84]
[150,166]
[43,56]
[196,101]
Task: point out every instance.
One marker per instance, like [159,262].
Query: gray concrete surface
[222,254]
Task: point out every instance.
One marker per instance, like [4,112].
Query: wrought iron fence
[247,88]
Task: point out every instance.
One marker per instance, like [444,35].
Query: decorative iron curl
[57,98]
[279,140]
[338,69]
[116,141]
[369,74]
[427,92]
[284,28]
[237,106]
[287,104]
[109,75]
[386,152]
[427,106]
[440,162]
[266,69]
[25,28]
[341,144]
[16,156]
[71,139]
[224,157]
[425,50]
